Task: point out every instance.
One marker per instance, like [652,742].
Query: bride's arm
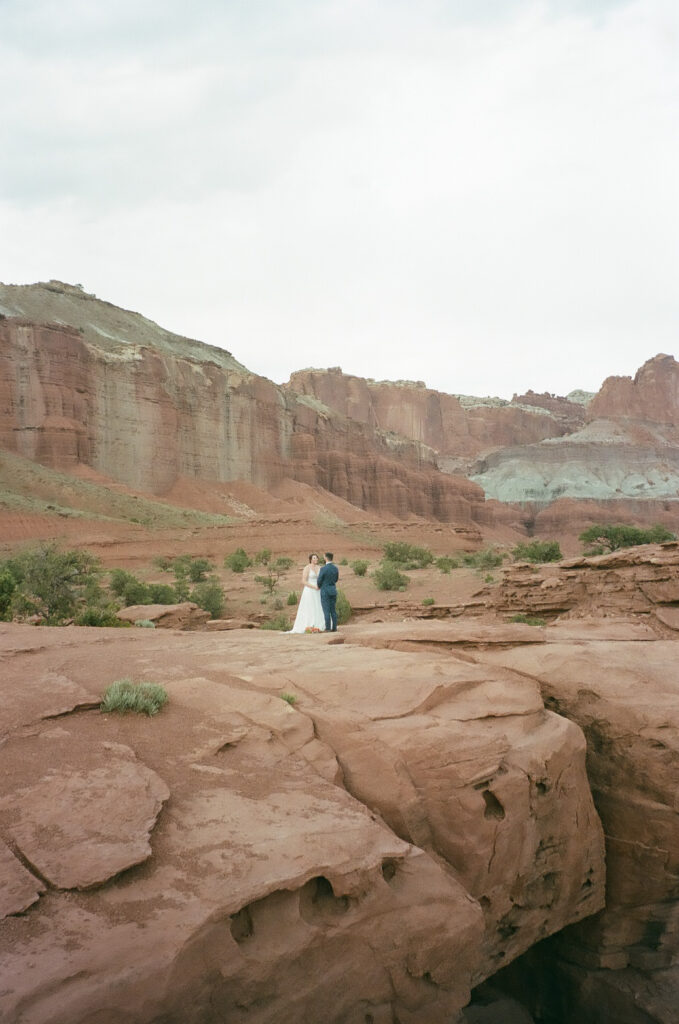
[305,577]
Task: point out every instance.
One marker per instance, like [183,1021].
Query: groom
[327,578]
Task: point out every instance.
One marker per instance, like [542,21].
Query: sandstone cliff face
[454,427]
[152,411]
[627,450]
[652,395]
[622,964]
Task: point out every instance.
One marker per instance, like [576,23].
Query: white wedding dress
[309,610]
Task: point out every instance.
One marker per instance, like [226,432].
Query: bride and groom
[317,606]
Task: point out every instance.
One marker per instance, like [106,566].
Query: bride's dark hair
[312,555]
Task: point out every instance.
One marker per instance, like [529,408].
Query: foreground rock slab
[19,889]
[84,822]
[375,849]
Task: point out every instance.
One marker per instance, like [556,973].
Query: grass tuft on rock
[125,695]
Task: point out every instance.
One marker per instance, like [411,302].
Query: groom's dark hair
[329,555]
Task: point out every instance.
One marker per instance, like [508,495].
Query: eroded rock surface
[639,581]
[375,849]
[84,820]
[19,889]
[622,964]
[186,615]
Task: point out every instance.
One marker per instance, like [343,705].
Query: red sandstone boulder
[185,615]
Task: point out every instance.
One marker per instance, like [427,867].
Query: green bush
[620,535]
[289,698]
[407,556]
[292,598]
[161,593]
[488,558]
[529,620]
[428,601]
[262,557]
[388,577]
[360,566]
[126,695]
[445,564]
[209,595]
[163,563]
[94,616]
[344,561]
[538,551]
[145,623]
[280,622]
[51,583]
[198,569]
[129,588]
[237,561]
[344,611]
[7,587]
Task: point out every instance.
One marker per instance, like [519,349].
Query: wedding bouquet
[313,629]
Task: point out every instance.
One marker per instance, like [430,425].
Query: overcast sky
[480,194]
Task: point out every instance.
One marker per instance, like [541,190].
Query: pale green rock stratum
[101,323]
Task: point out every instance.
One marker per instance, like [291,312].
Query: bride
[309,612]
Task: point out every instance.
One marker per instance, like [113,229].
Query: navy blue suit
[327,579]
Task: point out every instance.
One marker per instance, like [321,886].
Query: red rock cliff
[144,407]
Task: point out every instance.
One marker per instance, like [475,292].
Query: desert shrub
[279,622]
[428,601]
[126,695]
[145,623]
[388,577]
[262,557]
[489,578]
[360,566]
[7,587]
[529,620]
[488,558]
[620,535]
[162,562]
[273,573]
[129,588]
[597,549]
[289,698]
[51,583]
[538,551]
[237,561]
[407,556]
[161,593]
[209,595]
[344,611]
[94,616]
[445,564]
[292,598]
[198,569]
[345,561]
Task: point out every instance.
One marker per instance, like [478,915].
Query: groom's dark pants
[329,606]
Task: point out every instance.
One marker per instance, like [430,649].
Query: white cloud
[488,204]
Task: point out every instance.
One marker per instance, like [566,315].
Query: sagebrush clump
[125,695]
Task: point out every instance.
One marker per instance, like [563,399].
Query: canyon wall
[85,383]
[150,413]
[455,426]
